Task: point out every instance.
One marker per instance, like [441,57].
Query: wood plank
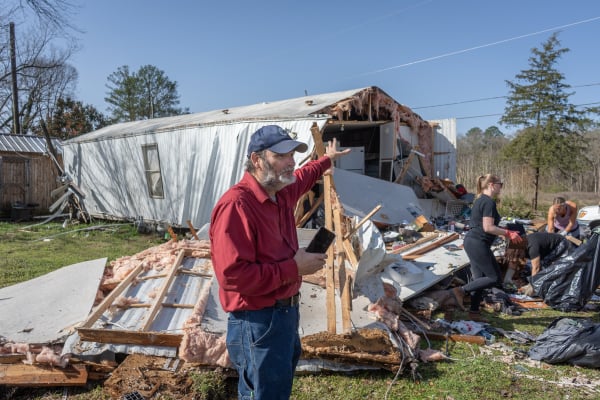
[475,339]
[184,271]
[346,300]
[350,254]
[362,221]
[108,300]
[329,266]
[119,336]
[12,358]
[434,245]
[42,375]
[573,240]
[310,212]
[172,233]
[158,300]
[192,230]
[415,244]
[171,305]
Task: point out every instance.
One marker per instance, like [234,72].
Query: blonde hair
[485,180]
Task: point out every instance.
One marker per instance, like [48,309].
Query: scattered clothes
[574,341]
[500,301]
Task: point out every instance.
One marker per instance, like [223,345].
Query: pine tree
[145,94]
[552,128]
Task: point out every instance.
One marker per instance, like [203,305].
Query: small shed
[28,174]
[174,169]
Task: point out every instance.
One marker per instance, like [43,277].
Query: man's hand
[309,263]
[332,152]
[563,233]
[513,236]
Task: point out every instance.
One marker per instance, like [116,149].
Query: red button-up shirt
[254,240]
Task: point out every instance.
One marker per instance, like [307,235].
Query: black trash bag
[569,282]
[573,341]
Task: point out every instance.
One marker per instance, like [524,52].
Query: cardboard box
[423,224]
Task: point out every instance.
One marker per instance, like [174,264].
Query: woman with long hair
[478,242]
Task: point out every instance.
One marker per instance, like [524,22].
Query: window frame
[153,173]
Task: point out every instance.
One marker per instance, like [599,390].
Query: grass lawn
[472,372]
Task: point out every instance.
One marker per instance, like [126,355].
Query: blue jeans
[264,346]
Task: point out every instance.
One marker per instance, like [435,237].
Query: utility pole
[13,73]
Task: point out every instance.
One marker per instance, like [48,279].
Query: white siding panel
[198,165]
[444,148]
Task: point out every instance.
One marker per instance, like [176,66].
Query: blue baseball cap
[274,138]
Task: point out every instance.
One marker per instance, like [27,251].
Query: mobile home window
[152,168]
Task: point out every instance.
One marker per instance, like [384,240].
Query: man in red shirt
[257,262]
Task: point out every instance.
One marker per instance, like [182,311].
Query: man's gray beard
[274,182]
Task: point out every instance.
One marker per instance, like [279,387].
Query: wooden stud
[108,300]
[352,257]
[329,266]
[342,276]
[362,221]
[310,212]
[163,291]
[405,168]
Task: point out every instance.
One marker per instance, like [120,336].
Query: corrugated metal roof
[290,109]
[26,144]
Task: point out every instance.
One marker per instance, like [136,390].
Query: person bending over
[562,218]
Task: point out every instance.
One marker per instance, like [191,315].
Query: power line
[460,102]
[453,53]
[480,116]
[491,98]
[496,115]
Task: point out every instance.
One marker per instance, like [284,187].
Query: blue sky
[423,53]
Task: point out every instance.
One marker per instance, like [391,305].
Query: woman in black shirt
[478,241]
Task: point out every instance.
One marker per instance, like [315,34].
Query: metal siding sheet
[198,165]
[445,149]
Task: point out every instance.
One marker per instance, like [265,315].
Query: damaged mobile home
[172,170]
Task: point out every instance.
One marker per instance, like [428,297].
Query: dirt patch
[148,375]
